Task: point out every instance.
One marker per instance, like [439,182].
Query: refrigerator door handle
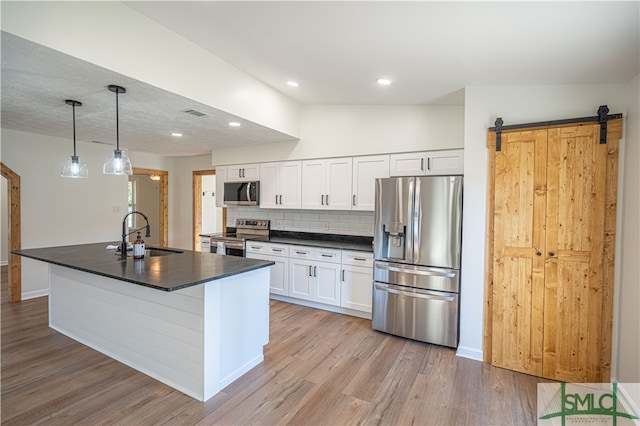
[391,268]
[415,294]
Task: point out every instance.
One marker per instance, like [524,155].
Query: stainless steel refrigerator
[417,244]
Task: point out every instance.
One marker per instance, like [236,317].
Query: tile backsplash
[320,221]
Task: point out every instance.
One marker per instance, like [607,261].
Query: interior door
[574,255]
[519,244]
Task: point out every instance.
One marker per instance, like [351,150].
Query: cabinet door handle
[276,199]
[327,199]
[428,163]
[354,199]
[276,249]
[301,252]
[242,172]
[280,198]
[551,254]
[255,247]
[342,276]
[310,271]
[422,164]
[327,255]
[322,199]
[315,271]
[361,259]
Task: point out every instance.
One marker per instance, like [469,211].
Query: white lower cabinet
[317,281]
[278,253]
[356,288]
[357,280]
[324,278]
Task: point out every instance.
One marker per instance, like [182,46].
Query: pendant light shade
[73,168]
[117,163]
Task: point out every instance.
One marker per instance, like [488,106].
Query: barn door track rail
[602,118]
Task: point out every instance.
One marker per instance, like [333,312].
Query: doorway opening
[14,232]
[148,192]
[207,217]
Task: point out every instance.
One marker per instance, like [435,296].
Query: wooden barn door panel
[574,256]
[518,264]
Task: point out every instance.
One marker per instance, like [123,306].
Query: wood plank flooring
[320,368]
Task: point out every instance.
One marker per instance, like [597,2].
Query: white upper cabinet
[243,173]
[446,162]
[326,184]
[281,185]
[365,172]
[221,178]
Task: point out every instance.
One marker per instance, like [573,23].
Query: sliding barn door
[551,271]
[574,258]
[518,266]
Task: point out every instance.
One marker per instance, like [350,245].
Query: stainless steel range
[233,243]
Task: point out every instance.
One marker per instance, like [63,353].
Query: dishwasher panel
[424,315]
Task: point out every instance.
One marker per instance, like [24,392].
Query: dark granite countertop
[336,241]
[342,245]
[168,273]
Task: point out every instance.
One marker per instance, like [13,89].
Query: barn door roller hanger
[602,118]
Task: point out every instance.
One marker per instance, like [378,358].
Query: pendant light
[117,163]
[73,168]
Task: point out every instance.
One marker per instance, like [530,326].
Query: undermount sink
[156,251]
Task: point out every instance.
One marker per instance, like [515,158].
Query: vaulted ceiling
[335,51]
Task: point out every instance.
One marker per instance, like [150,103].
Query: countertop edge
[186,284]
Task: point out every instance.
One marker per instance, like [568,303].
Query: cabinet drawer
[267,248]
[327,254]
[278,249]
[357,258]
[301,252]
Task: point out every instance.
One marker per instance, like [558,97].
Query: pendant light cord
[117,124]
[74,129]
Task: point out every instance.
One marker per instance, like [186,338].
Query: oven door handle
[418,295]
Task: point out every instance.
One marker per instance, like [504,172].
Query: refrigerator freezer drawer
[427,316]
[425,277]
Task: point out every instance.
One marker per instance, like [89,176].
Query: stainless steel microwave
[242,193]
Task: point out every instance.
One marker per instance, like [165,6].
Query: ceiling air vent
[196,113]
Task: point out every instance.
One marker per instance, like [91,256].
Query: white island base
[197,340]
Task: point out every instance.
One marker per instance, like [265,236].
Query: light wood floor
[319,368]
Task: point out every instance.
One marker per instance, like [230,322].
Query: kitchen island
[194,321]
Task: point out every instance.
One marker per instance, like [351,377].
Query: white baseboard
[632,399]
[471,353]
[34,294]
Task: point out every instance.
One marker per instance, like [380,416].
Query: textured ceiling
[36,80]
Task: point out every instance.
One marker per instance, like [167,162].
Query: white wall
[346,130]
[515,105]
[627,340]
[4,222]
[211,215]
[114,36]
[147,200]
[180,197]
[58,211]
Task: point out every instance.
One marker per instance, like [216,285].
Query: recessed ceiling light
[177,135]
[383,81]
[234,124]
[292,83]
